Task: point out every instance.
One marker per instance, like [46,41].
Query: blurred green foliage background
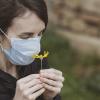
[73,40]
[81,72]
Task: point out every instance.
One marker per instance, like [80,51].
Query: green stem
[41,62]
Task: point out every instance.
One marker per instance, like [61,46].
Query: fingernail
[40,77]
[41,71]
[43,84]
[40,82]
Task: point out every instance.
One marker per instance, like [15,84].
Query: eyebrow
[30,33]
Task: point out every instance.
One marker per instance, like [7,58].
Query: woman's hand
[52,81]
[29,88]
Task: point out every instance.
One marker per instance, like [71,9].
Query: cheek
[6,44]
[12,35]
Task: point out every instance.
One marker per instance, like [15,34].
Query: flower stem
[41,62]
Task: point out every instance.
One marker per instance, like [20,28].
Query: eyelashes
[40,34]
[25,36]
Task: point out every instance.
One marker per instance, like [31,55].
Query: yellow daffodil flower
[46,53]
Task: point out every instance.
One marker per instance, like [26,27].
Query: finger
[51,82]
[52,70]
[51,88]
[33,89]
[28,78]
[37,94]
[52,76]
[32,83]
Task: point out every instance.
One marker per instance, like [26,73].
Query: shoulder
[7,86]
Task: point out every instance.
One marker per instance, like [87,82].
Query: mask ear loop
[5,36]
[1,48]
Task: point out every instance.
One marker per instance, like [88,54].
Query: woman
[22,23]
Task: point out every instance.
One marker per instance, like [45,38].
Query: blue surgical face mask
[21,50]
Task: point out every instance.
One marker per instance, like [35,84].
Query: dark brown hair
[9,9]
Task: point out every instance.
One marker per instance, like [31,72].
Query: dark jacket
[8,82]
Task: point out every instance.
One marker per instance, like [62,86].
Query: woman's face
[24,27]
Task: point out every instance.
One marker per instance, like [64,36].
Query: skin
[49,81]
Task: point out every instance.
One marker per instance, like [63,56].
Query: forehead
[29,22]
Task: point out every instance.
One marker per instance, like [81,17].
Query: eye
[26,35]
